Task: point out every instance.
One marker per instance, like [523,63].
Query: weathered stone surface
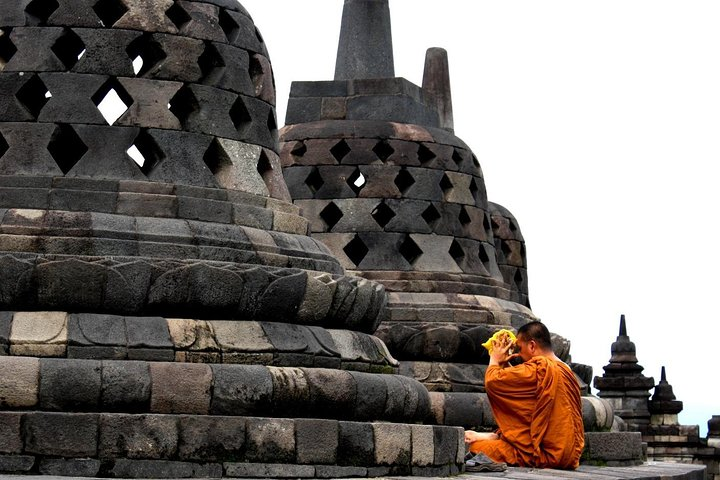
[268,470]
[241,390]
[10,433]
[40,334]
[125,468]
[138,436]
[216,438]
[126,386]
[270,440]
[316,441]
[180,388]
[423,445]
[392,444]
[69,385]
[356,445]
[75,467]
[20,385]
[71,435]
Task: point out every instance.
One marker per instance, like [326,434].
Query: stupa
[163,312]
[374,164]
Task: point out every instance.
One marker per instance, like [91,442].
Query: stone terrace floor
[648,471]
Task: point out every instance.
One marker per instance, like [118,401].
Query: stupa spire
[436,80]
[365,47]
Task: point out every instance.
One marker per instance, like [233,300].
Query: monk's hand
[501,352]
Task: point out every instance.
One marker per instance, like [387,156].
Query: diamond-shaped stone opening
[66,147]
[271,122]
[404,180]
[264,167]
[446,184]
[3,145]
[33,95]
[495,224]
[37,12]
[314,180]
[299,149]
[356,250]
[410,250]
[259,36]
[7,48]
[240,116]
[68,48]
[486,222]
[331,215]
[518,279]
[110,11]
[457,158]
[483,255]
[513,227]
[474,189]
[210,62]
[475,161]
[382,214]
[383,150]
[340,150]
[505,248]
[183,105]
[229,26]
[112,100]
[464,217]
[456,251]
[146,54]
[178,15]
[256,72]
[425,154]
[431,216]
[146,152]
[216,158]
[357,181]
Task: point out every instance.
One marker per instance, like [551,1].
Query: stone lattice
[373,163]
[163,312]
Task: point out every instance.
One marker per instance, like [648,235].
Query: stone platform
[647,471]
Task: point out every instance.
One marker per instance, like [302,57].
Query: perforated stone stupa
[374,164]
[163,312]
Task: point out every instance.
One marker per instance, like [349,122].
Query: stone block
[613,446]
[291,393]
[241,336]
[151,354]
[211,438]
[69,385]
[268,470]
[10,434]
[316,441]
[241,390]
[138,436]
[20,384]
[126,386]
[332,392]
[464,409]
[270,440]
[371,396]
[148,332]
[446,444]
[204,210]
[70,467]
[5,324]
[39,334]
[180,388]
[125,468]
[70,435]
[335,471]
[16,463]
[392,444]
[423,445]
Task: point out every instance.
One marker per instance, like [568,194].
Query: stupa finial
[623,328]
[436,80]
[365,48]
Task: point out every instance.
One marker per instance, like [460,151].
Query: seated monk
[536,405]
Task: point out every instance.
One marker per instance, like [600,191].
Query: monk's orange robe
[538,410]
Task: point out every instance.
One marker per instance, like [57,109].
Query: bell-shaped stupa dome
[163,311]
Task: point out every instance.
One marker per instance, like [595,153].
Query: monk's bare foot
[471,436]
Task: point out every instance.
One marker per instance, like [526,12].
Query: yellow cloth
[538,410]
[496,336]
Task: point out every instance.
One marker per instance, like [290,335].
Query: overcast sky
[597,124]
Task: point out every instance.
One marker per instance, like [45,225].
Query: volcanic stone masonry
[374,164]
[164,313]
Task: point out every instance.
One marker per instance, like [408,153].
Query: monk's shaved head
[536,331]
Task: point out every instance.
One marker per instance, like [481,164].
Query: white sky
[596,123]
